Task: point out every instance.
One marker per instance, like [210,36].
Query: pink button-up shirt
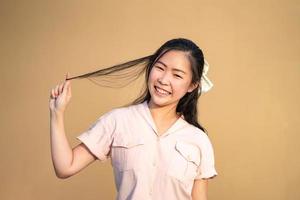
[145,165]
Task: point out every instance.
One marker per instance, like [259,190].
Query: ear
[192,87]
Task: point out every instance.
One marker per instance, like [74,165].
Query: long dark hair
[131,70]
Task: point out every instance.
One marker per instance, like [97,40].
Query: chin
[160,102]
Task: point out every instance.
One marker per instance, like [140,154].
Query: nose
[164,79]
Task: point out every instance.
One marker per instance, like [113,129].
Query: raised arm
[66,161]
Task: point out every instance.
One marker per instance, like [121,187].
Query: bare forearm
[61,151]
[200,189]
[200,197]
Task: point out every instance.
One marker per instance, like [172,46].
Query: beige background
[252,113]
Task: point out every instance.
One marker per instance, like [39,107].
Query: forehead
[176,59]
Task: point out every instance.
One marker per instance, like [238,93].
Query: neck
[163,112]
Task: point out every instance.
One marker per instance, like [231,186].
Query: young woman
[157,148]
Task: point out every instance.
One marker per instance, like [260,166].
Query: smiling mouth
[161,91]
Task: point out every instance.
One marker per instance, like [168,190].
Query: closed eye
[178,76]
[158,67]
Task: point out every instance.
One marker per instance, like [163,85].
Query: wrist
[56,113]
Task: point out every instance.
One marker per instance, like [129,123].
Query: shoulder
[198,135]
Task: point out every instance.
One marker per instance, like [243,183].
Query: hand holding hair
[60,96]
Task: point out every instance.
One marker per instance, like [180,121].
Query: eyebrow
[174,69]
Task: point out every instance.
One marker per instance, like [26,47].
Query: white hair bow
[206,84]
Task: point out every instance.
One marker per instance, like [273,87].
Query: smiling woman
[170,78]
[160,125]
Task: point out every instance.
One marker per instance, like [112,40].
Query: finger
[61,88]
[66,87]
[69,92]
[52,95]
[65,82]
[56,90]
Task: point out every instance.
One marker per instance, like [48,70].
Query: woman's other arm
[199,191]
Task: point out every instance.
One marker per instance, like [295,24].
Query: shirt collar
[178,124]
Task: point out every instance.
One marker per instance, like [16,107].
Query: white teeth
[162,91]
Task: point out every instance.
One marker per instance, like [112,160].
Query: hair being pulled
[122,74]
[118,75]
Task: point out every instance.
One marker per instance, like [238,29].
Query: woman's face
[170,79]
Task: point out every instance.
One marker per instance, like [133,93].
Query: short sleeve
[99,136]
[206,169]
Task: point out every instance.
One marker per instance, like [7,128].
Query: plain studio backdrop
[251,114]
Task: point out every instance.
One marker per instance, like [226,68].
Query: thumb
[66,87]
[66,84]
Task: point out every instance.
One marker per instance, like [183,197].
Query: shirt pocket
[126,152]
[185,161]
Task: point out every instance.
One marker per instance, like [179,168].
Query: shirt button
[154,163]
[150,192]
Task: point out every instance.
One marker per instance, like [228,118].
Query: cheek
[181,87]
[150,81]
[152,77]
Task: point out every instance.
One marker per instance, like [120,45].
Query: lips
[161,91]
